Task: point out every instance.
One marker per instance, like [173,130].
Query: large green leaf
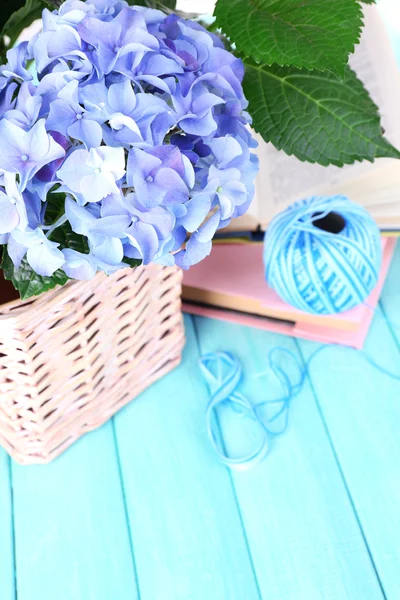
[304,33]
[26,281]
[315,116]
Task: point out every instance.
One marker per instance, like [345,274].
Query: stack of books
[230,284]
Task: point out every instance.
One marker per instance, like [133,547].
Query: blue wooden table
[143,509]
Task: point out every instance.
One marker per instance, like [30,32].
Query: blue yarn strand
[223,373]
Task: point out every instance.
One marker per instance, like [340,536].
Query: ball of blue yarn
[323,255]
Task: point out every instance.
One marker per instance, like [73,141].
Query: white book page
[196,6]
[284,179]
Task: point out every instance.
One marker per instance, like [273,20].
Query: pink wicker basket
[70,359]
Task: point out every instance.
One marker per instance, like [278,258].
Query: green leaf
[63,234]
[10,7]
[25,13]
[55,207]
[132,262]
[171,4]
[160,4]
[26,281]
[304,33]
[67,238]
[315,116]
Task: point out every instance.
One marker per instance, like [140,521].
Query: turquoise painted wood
[187,532]
[142,509]
[7,587]
[71,535]
[361,409]
[302,531]
[391,293]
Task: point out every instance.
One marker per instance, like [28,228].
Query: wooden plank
[303,535]
[7,586]
[361,409]
[72,540]
[390,299]
[187,531]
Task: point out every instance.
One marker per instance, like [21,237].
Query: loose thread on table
[223,373]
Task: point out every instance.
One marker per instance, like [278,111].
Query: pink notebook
[235,273]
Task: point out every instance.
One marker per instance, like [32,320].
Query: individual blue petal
[16,66]
[194,253]
[27,107]
[154,181]
[43,255]
[46,173]
[13,211]
[94,98]
[61,117]
[93,173]
[7,96]
[107,249]
[115,226]
[87,131]
[16,250]
[26,152]
[78,266]
[35,209]
[207,230]
[143,237]
[45,259]
[80,219]
[197,210]
[121,98]
[107,268]
[225,149]
[166,260]
[9,217]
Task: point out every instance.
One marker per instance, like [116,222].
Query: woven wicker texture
[73,357]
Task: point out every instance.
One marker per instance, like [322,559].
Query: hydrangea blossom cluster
[138,119]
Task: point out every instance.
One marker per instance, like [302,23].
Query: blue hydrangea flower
[13,212]
[27,107]
[26,152]
[69,118]
[161,175]
[93,174]
[43,255]
[137,121]
[79,266]
[125,34]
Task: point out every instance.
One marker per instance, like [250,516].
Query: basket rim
[18,306]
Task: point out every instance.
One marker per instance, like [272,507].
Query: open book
[284,179]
